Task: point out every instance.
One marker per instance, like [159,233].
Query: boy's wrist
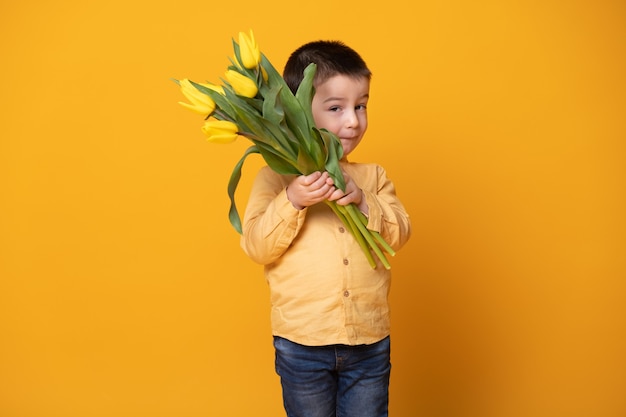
[295,205]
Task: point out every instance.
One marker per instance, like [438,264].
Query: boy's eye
[334,108]
[361,107]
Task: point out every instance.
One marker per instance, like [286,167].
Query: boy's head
[331,57]
[341,82]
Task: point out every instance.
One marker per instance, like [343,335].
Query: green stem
[377,236]
[352,227]
[352,211]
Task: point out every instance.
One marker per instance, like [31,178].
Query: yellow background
[124,291]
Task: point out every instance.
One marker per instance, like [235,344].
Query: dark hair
[331,57]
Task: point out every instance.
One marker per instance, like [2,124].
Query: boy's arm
[387,215]
[270,221]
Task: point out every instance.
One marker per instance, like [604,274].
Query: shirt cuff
[286,210]
[375,216]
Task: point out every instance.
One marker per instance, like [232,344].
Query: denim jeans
[335,380]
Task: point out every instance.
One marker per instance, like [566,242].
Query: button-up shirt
[323,290]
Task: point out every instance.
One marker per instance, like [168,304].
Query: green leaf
[272,108]
[233,214]
[221,101]
[317,148]
[277,161]
[294,113]
[334,152]
[306,91]
[306,164]
[237,53]
[273,111]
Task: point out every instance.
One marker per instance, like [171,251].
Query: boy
[329,307]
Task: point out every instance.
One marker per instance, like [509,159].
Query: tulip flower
[220,131]
[200,102]
[249,50]
[242,85]
[216,88]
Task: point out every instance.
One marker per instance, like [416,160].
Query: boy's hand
[353,194]
[306,190]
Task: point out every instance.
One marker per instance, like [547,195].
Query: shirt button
[341,230]
[345,261]
[346,293]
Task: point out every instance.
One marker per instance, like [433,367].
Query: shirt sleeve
[271,222]
[387,214]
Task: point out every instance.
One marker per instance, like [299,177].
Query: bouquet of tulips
[254,102]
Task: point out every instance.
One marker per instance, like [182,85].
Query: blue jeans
[335,380]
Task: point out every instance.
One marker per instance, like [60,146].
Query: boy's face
[340,106]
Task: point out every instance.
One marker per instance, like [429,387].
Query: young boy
[329,307]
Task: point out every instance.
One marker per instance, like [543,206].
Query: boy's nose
[352,120]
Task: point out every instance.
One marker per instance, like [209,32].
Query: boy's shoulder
[265,173]
[362,166]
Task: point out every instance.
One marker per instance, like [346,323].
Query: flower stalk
[255,102]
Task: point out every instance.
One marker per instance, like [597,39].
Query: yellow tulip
[249,50]
[242,85]
[220,131]
[200,102]
[216,88]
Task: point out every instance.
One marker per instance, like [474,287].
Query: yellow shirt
[323,290]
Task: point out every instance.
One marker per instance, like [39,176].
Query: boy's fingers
[311,178]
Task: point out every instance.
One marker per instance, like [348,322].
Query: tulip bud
[200,102]
[249,50]
[242,85]
[217,88]
[220,131]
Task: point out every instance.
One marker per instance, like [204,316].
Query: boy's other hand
[353,194]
